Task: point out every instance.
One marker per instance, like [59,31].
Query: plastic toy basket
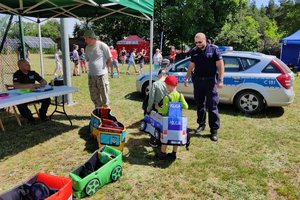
[41,186]
[104,166]
[106,129]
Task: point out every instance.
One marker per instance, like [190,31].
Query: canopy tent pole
[151,53]
[5,33]
[23,53]
[65,57]
[41,49]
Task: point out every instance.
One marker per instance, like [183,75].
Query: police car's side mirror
[172,68]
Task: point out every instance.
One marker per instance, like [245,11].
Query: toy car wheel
[157,134]
[143,125]
[116,173]
[92,187]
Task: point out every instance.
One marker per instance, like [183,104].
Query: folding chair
[13,108]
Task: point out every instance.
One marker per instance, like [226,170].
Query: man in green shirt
[159,90]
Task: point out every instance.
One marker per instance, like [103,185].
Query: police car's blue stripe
[265,82]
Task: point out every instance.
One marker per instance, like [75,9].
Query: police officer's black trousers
[206,97]
[26,113]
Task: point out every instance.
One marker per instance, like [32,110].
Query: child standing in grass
[57,63]
[82,61]
[173,96]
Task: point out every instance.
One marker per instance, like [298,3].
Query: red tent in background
[134,42]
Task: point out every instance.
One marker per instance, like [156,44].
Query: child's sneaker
[161,156]
[172,155]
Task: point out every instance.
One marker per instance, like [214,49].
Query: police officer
[205,61]
[24,78]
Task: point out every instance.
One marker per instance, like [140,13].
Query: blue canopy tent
[290,49]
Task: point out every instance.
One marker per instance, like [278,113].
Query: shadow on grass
[135,96]
[91,144]
[228,109]
[135,125]
[138,154]
[17,139]
[59,116]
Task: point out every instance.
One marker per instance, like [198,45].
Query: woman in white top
[157,58]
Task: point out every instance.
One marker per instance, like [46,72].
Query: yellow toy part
[106,129]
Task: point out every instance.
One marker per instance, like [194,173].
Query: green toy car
[104,166]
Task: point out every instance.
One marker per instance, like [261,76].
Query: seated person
[24,78]
[173,96]
[159,90]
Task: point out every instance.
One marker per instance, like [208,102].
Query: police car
[252,81]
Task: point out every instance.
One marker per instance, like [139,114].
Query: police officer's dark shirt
[31,77]
[205,61]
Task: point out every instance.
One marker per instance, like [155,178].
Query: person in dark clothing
[24,78]
[206,60]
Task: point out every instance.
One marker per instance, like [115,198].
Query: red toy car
[41,186]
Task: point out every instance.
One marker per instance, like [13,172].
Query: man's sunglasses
[198,42]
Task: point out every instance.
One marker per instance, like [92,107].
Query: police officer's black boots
[200,129]
[213,135]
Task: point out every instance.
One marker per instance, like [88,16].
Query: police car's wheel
[145,89]
[249,102]
[143,125]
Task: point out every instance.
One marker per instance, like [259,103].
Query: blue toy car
[169,130]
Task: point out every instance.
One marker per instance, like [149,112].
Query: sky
[264,2]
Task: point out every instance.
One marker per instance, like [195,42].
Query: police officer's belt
[204,78]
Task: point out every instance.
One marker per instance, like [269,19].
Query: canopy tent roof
[78,8]
[132,39]
[292,39]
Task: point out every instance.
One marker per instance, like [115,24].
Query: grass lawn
[256,157]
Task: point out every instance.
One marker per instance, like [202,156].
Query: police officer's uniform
[204,79]
[31,77]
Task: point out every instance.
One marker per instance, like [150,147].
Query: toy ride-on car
[41,186]
[106,129]
[169,130]
[104,166]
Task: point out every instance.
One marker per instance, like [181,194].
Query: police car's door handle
[236,78]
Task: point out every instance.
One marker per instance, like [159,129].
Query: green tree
[188,17]
[241,34]
[288,18]
[270,38]
[112,29]
[271,10]
[30,29]
[51,29]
